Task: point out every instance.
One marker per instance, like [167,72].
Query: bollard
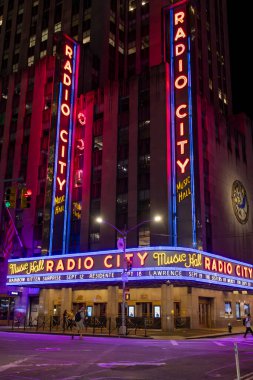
[229,327]
[237,362]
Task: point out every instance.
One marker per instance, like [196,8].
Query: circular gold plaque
[240,202]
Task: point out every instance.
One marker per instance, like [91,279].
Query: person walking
[71,320]
[248,326]
[64,320]
[79,319]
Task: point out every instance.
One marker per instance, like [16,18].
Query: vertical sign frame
[65,122]
[177,50]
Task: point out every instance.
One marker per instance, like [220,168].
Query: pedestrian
[248,326]
[71,320]
[79,319]
[64,320]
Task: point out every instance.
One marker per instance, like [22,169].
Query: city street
[39,356]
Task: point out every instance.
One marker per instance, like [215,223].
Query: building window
[112,39]
[237,310]
[246,309]
[44,35]
[43,53]
[75,19]
[132,5]
[86,37]
[144,161]
[131,50]
[30,61]
[94,237]
[122,168]
[57,27]
[228,308]
[157,311]
[122,200]
[144,236]
[98,142]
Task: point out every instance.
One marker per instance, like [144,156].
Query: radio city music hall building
[128,124]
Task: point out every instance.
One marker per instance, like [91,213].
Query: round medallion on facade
[240,202]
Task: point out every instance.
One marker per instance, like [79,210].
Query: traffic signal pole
[127,266]
[124,278]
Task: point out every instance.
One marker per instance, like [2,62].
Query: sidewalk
[199,333]
[150,334]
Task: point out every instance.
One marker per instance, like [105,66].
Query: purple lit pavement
[43,357]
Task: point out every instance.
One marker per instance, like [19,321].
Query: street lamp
[123,234]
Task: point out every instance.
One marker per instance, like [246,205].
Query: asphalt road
[44,357]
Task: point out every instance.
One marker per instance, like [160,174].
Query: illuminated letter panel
[65,122]
[178,49]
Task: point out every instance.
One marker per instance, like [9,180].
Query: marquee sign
[177,50]
[67,92]
[152,263]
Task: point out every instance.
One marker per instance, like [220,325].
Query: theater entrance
[205,312]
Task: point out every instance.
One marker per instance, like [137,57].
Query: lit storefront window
[237,310]
[228,308]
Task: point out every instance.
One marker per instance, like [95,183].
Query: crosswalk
[207,342]
[247,376]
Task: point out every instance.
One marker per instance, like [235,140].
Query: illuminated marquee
[178,53]
[67,92]
[153,264]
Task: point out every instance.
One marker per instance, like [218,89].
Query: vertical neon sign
[61,196]
[182,167]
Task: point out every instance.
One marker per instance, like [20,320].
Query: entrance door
[205,312]
[144,309]
[99,309]
[33,311]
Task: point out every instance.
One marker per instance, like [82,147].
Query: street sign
[124,277]
[120,244]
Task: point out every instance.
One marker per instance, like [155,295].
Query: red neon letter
[142,257]
[182,144]
[179,49]
[67,67]
[66,79]
[65,109]
[180,34]
[68,51]
[63,132]
[179,17]
[49,265]
[182,78]
[183,165]
[105,261]
[88,262]
[180,65]
[71,264]
[207,263]
[66,94]
[61,183]
[62,165]
[178,111]
[181,129]
[59,266]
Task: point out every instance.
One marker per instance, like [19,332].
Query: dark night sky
[240,22]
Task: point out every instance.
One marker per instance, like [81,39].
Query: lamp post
[123,234]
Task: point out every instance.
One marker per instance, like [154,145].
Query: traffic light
[129,264]
[10,197]
[26,197]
